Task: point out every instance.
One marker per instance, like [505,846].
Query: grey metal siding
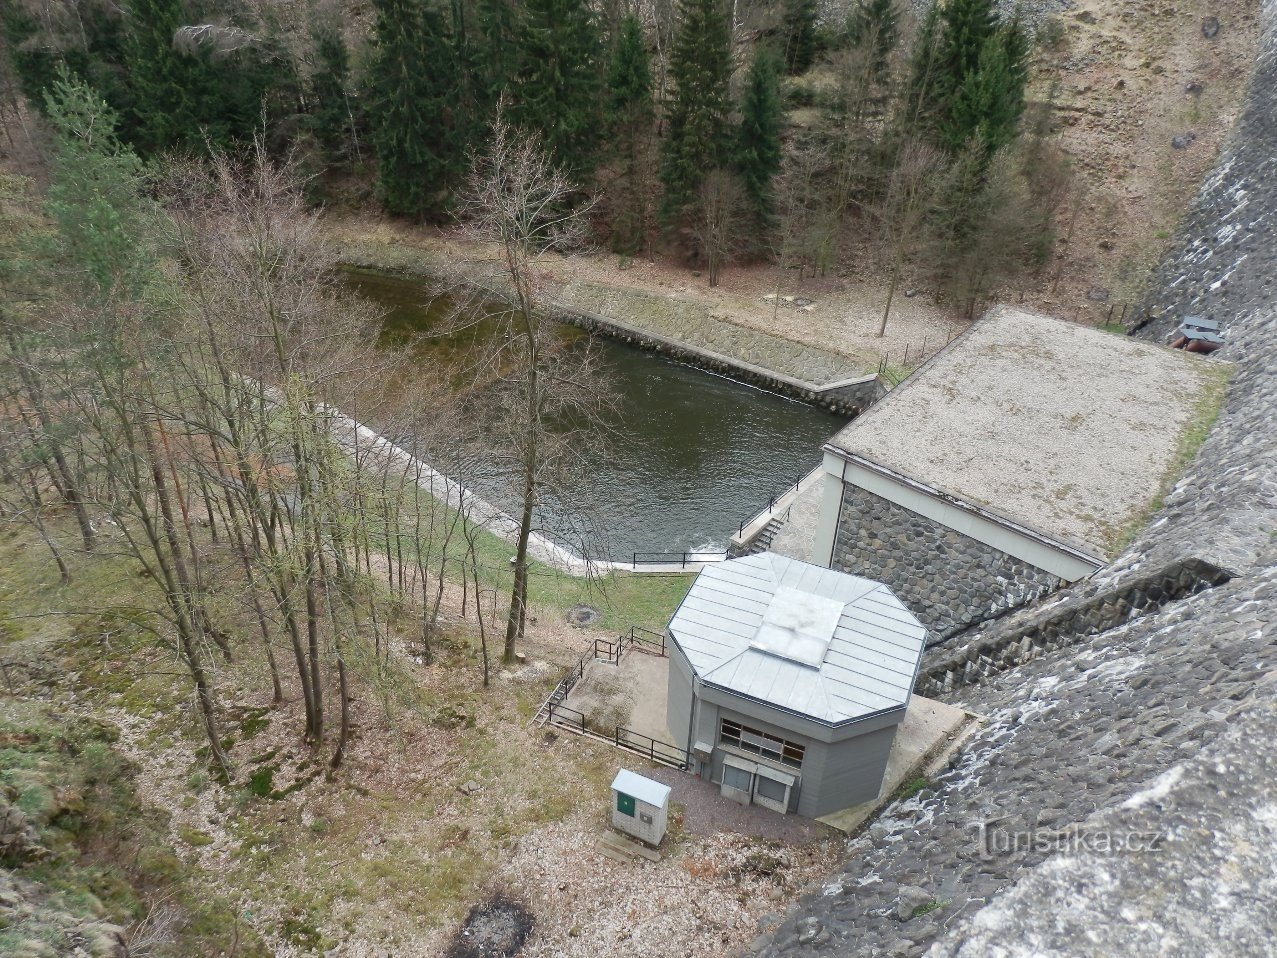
[843,774]
[797,725]
[748,718]
[678,708]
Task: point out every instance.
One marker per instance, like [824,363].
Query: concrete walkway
[930,733]
[632,694]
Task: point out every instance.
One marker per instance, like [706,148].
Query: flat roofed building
[1019,458]
[788,680]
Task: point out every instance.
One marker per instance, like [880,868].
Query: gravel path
[706,812]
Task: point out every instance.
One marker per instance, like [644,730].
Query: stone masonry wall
[1065,620]
[948,580]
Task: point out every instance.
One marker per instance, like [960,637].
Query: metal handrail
[654,749]
[683,558]
[771,502]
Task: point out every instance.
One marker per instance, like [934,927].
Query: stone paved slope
[1164,723]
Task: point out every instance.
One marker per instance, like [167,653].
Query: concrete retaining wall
[778,365]
[846,397]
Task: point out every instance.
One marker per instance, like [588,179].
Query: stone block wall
[948,580]
[1015,641]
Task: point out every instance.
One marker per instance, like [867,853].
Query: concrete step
[763,541]
[618,844]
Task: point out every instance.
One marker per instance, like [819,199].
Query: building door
[772,789]
[738,779]
[752,784]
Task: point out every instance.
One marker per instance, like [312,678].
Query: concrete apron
[925,741]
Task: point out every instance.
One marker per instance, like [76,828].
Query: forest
[713,134]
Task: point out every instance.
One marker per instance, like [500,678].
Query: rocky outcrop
[1115,800]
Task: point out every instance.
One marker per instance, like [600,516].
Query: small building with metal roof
[788,680]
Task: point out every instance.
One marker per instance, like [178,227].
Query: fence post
[617,737]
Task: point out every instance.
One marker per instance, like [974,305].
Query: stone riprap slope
[1162,724]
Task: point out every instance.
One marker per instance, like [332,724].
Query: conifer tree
[164,85]
[558,89]
[494,51]
[758,139]
[698,139]
[798,28]
[193,85]
[990,102]
[965,27]
[921,101]
[330,117]
[412,92]
[630,116]
[874,24]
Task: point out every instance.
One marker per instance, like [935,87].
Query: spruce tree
[495,51]
[965,27]
[798,29]
[630,116]
[200,92]
[412,91]
[698,138]
[558,88]
[758,139]
[990,102]
[329,86]
[920,102]
[164,84]
[873,25]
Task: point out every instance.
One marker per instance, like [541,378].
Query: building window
[760,743]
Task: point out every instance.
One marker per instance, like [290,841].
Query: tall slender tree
[698,138]
[412,96]
[990,102]
[630,116]
[798,35]
[558,88]
[873,25]
[495,51]
[162,81]
[758,140]
[331,117]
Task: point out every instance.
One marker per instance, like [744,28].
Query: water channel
[691,454]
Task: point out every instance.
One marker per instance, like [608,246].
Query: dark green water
[691,454]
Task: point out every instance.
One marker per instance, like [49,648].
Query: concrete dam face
[1118,800]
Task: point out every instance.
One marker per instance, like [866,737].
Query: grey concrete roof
[830,646]
[1062,428]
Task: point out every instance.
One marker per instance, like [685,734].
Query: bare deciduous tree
[718,213]
[903,214]
[517,200]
